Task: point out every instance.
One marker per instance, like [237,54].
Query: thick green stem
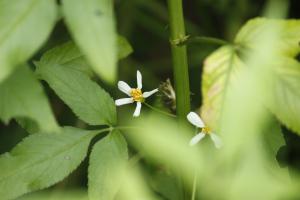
[179,55]
[180,69]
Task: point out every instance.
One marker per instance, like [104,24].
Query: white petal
[137,109]
[139,79]
[124,87]
[195,119]
[197,139]
[148,94]
[123,101]
[217,140]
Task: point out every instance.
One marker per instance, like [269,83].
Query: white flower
[197,121]
[135,94]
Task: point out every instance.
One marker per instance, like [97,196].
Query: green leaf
[59,194]
[282,79]
[85,97]
[288,35]
[124,48]
[272,138]
[67,55]
[92,25]
[25,25]
[284,94]
[70,56]
[166,185]
[222,68]
[42,160]
[108,159]
[22,97]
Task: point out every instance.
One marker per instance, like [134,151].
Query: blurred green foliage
[249,166]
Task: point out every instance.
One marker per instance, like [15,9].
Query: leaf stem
[194,187]
[158,110]
[204,40]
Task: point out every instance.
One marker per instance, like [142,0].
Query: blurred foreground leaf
[92,25]
[107,164]
[23,97]
[280,81]
[25,25]
[42,160]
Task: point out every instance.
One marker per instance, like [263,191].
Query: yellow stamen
[206,130]
[137,95]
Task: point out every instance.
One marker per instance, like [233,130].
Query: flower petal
[148,94]
[217,140]
[124,87]
[123,101]
[195,120]
[139,79]
[196,138]
[137,109]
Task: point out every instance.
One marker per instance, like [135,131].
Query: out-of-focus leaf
[23,97]
[92,25]
[165,185]
[124,48]
[284,93]
[86,98]
[42,160]
[25,25]
[288,35]
[108,159]
[221,69]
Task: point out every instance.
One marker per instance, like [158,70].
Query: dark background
[145,24]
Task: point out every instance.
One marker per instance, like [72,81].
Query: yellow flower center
[137,95]
[206,130]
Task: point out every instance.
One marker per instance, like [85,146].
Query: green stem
[179,56]
[158,110]
[180,70]
[205,40]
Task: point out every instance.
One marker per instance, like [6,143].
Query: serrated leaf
[42,160]
[25,25]
[22,97]
[92,25]
[86,98]
[221,70]
[67,55]
[107,162]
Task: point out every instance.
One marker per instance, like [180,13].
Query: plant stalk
[180,70]
[179,57]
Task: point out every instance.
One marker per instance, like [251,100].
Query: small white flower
[135,94]
[194,119]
